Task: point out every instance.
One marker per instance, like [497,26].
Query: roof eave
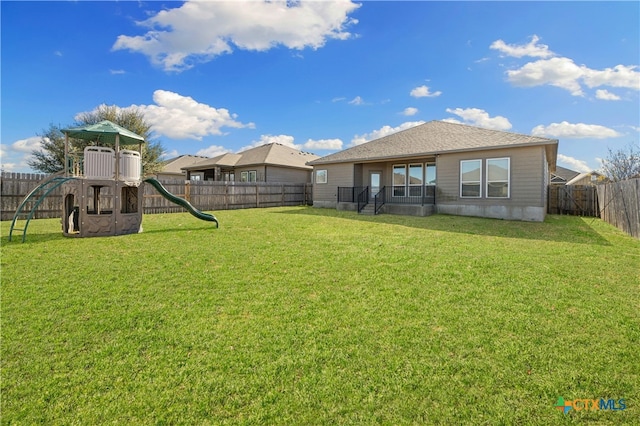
[433,153]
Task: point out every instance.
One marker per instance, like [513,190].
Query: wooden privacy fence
[203,195]
[576,200]
[620,205]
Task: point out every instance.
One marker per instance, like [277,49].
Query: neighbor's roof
[175,165]
[225,160]
[273,154]
[436,137]
[562,174]
[104,132]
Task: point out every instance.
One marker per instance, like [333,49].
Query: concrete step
[369,210]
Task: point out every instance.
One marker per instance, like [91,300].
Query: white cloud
[480,118]
[383,131]
[563,72]
[410,111]
[212,151]
[170,154]
[574,131]
[532,48]
[285,140]
[618,76]
[326,144]
[424,92]
[182,117]
[606,95]
[14,157]
[559,72]
[27,145]
[117,72]
[198,31]
[288,140]
[357,101]
[574,164]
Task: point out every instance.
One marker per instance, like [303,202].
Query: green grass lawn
[313,316]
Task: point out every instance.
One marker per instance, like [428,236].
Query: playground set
[102,190]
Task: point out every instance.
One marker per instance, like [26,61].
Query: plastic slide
[181,202]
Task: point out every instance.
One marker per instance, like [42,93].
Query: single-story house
[440,167]
[172,168]
[271,162]
[564,176]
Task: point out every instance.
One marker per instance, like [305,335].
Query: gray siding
[259,169]
[374,167]
[326,195]
[287,175]
[527,177]
[527,199]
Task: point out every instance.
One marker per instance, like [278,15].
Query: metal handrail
[378,200]
[363,198]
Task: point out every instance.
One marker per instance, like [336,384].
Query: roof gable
[562,174]
[273,154]
[276,154]
[175,165]
[435,137]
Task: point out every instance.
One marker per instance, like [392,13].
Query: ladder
[33,199]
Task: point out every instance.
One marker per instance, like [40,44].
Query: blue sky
[214,77]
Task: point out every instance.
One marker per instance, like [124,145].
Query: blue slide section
[181,202]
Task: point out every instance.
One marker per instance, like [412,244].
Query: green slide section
[181,202]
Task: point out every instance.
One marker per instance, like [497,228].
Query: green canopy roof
[105,132]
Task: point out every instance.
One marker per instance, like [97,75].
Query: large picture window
[430,178]
[498,177]
[399,180]
[470,178]
[415,180]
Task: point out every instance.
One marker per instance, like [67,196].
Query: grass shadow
[556,228]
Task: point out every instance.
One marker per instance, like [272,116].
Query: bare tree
[622,164]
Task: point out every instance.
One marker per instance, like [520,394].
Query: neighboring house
[172,169]
[266,163]
[562,175]
[589,178]
[441,167]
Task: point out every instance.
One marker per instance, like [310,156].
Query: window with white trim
[430,177]
[399,180]
[415,180]
[471,178]
[249,176]
[321,176]
[498,177]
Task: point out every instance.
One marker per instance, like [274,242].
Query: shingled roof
[436,137]
[175,165]
[563,175]
[272,154]
[275,154]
